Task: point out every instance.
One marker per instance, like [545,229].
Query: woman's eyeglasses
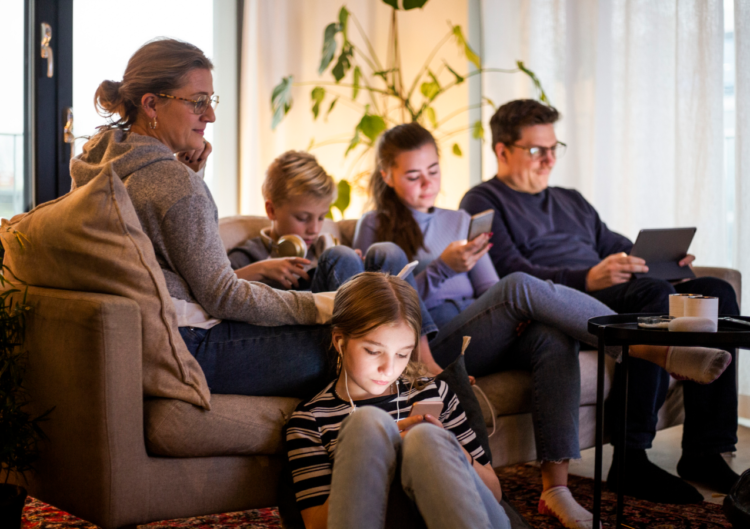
[201,104]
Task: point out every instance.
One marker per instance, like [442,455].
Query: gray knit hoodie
[179,215]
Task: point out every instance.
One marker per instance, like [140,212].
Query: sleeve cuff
[442,269]
[324,306]
[577,279]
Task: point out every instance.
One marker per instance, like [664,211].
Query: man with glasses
[555,234]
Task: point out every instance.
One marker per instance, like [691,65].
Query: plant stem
[346,85]
[426,64]
[367,42]
[461,111]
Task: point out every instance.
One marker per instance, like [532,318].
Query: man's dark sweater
[555,234]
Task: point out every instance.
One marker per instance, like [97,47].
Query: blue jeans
[291,360]
[434,474]
[339,264]
[548,348]
[710,409]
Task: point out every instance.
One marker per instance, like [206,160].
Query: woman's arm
[483,275]
[190,235]
[316,517]
[487,474]
[364,234]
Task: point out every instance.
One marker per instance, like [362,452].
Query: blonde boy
[298,194]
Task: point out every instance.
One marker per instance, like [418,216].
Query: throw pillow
[91,240]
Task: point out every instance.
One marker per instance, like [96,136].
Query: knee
[423,441]
[386,252]
[369,419]
[337,254]
[713,286]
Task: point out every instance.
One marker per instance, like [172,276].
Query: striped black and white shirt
[314,427]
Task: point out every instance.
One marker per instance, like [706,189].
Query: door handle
[68,136]
[47,49]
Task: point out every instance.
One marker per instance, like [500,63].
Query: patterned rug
[521,484]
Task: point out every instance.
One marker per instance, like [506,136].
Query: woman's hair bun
[107,98]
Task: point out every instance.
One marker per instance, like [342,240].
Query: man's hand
[687,260]
[614,270]
[461,256]
[283,272]
[196,159]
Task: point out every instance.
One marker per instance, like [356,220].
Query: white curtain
[639,85]
[285,37]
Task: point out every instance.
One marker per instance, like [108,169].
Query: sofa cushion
[509,392]
[91,240]
[235,425]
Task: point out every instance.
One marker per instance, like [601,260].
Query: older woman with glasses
[248,337]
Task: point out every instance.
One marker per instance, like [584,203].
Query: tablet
[662,250]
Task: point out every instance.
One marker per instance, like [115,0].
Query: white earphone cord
[398,396]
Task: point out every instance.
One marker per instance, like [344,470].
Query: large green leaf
[344,196]
[459,78]
[477,130]
[371,126]
[457,150]
[353,143]
[318,94]
[344,22]
[430,89]
[343,64]
[281,100]
[542,96]
[329,46]
[464,45]
[355,82]
[413,4]
[392,3]
[430,113]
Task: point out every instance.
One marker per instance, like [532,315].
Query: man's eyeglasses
[537,153]
[201,104]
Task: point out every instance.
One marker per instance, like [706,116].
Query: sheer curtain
[285,37]
[639,85]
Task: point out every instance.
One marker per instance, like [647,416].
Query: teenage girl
[519,322]
[352,440]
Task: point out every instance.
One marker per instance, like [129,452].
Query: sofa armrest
[730,275]
[85,361]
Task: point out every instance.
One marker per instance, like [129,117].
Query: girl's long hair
[372,299]
[395,223]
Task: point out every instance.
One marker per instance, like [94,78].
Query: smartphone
[425,407]
[408,269]
[481,223]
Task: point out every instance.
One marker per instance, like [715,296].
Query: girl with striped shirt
[352,440]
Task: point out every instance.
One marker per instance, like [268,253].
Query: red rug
[521,484]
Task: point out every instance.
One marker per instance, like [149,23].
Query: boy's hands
[461,256]
[284,272]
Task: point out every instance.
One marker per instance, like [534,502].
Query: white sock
[559,502]
[699,364]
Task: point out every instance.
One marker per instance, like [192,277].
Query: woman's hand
[284,271]
[196,159]
[461,256]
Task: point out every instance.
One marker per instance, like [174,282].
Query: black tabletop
[622,329]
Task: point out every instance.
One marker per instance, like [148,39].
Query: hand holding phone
[481,223]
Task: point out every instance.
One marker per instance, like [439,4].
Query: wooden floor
[666,453]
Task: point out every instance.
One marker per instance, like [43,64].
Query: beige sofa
[116,459]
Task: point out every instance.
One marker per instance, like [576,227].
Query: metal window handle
[47,49]
[68,136]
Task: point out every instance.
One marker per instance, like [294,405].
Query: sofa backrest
[236,230]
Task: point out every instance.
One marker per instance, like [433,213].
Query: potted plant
[377,88]
[20,432]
